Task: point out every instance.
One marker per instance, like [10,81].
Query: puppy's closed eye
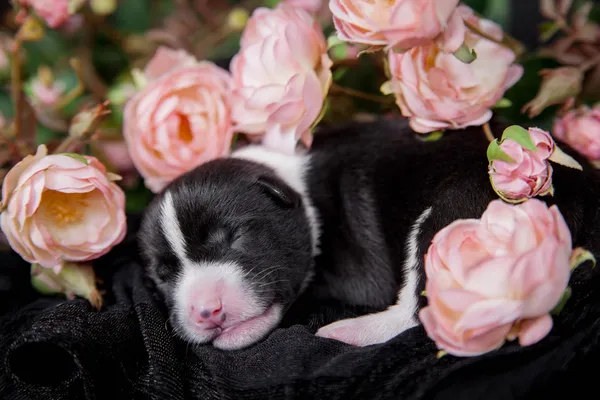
[166,270]
[284,195]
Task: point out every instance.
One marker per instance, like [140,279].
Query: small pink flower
[529,174]
[496,278]
[180,119]
[580,129]
[54,12]
[436,91]
[46,95]
[61,208]
[117,153]
[399,24]
[280,81]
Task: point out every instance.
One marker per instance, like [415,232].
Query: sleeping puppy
[233,243]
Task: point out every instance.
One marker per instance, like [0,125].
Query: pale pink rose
[530,174]
[166,60]
[280,81]
[398,24]
[61,208]
[54,12]
[496,278]
[580,129]
[180,119]
[436,91]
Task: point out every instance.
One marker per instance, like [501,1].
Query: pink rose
[180,119]
[280,81]
[580,129]
[54,12]
[310,6]
[401,24]
[437,91]
[529,173]
[61,208]
[496,278]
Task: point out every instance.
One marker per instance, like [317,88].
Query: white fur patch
[291,169]
[170,227]
[383,326]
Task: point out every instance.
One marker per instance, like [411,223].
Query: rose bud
[519,164]
[580,129]
[558,85]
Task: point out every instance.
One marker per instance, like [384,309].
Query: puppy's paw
[368,329]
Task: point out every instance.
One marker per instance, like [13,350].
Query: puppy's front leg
[383,326]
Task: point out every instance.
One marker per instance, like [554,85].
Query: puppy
[233,243]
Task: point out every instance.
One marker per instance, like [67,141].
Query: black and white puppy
[232,244]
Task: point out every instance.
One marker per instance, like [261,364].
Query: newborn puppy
[232,244]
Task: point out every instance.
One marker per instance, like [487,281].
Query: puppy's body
[371,197]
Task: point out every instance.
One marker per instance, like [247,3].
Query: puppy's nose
[208,312]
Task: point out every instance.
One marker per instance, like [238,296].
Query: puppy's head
[228,246]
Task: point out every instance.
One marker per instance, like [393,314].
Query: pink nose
[207,312]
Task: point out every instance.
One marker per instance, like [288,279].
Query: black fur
[369,182]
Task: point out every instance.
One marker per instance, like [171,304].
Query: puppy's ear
[282,193]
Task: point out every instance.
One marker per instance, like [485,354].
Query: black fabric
[56,349]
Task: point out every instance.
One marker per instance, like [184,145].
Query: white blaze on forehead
[171,229]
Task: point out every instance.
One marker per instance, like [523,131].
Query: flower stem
[17,85]
[77,91]
[507,40]
[488,132]
[337,89]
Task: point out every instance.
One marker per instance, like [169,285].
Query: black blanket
[56,349]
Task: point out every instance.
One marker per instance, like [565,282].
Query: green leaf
[494,152]
[465,54]
[478,6]
[137,199]
[579,256]
[132,16]
[547,30]
[595,14]
[271,3]
[339,73]
[6,105]
[227,48]
[43,134]
[108,57]
[77,157]
[519,135]
[50,50]
[503,103]
[431,136]
[562,302]
[498,11]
